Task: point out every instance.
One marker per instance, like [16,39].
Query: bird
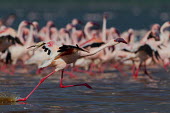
[7,40]
[59,57]
[142,54]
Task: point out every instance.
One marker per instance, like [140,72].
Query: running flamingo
[59,57]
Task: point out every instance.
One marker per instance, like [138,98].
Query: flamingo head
[120,40]
[69,26]
[36,25]
[155,27]
[105,15]
[50,24]
[95,24]
[76,21]
[27,23]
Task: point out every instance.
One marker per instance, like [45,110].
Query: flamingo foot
[22,99]
[85,84]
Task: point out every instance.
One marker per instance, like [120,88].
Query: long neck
[20,32]
[130,38]
[47,35]
[104,30]
[94,51]
[67,39]
[164,35]
[29,41]
[163,27]
[87,32]
[144,39]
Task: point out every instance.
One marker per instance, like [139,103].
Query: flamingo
[10,33]
[142,54]
[19,52]
[7,40]
[87,29]
[59,57]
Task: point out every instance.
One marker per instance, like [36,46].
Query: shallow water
[111,93]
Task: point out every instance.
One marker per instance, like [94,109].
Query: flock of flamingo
[85,49]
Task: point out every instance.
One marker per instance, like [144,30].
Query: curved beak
[120,40]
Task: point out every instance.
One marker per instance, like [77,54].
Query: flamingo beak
[120,40]
[82,49]
[105,15]
[28,23]
[85,50]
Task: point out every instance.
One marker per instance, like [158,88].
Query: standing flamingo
[59,57]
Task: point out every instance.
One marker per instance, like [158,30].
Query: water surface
[111,93]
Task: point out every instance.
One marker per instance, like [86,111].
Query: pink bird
[59,57]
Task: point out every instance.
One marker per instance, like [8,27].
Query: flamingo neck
[20,32]
[87,32]
[94,51]
[104,30]
[29,41]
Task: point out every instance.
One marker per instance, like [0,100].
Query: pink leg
[83,71]
[4,68]
[62,86]
[71,74]
[146,72]
[135,75]
[166,65]
[41,81]
[119,69]
[92,65]
[101,69]
[39,71]
[12,68]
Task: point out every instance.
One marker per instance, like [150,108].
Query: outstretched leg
[146,72]
[41,81]
[62,86]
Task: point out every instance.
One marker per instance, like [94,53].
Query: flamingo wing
[8,40]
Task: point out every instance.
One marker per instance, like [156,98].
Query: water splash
[8,98]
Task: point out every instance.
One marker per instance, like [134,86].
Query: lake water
[112,93]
